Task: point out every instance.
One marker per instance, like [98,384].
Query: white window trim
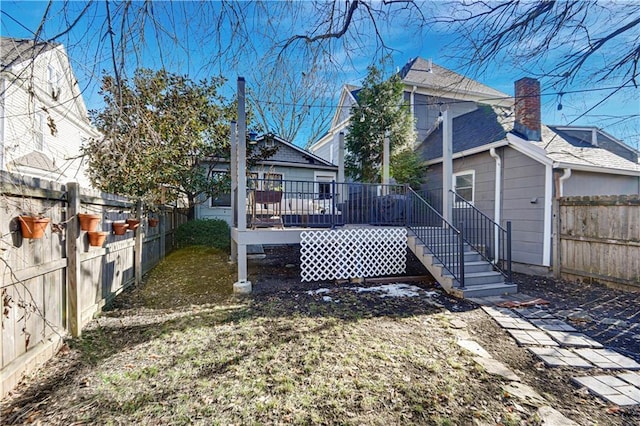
[473,187]
[325,177]
[53,81]
[39,124]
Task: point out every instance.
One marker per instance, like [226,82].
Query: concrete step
[480,278]
[485,290]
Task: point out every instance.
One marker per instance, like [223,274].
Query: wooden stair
[480,278]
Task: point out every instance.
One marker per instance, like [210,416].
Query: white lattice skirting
[352,253]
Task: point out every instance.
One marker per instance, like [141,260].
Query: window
[221,189]
[323,186]
[38,130]
[53,82]
[273,181]
[463,185]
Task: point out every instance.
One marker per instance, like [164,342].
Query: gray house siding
[523,204]
[586,183]
[523,181]
[484,168]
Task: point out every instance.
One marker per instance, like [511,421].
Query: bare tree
[568,43]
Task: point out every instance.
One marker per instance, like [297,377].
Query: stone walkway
[558,344]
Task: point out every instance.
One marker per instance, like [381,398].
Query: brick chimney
[527,108]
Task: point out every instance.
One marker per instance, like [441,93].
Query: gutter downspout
[548,201]
[497,204]
[557,254]
[565,175]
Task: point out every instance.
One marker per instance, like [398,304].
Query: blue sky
[619,115]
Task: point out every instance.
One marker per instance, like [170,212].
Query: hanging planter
[153,222]
[88,222]
[32,226]
[96,238]
[133,224]
[119,228]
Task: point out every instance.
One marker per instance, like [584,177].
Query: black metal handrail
[442,239]
[326,204]
[487,237]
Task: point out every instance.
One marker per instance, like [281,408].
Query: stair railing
[444,241]
[487,237]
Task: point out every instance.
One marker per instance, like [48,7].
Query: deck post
[234,188]
[242,285]
[447,166]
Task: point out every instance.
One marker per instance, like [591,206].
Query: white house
[43,118]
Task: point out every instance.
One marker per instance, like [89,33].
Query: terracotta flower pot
[119,228]
[133,224]
[153,222]
[33,227]
[96,238]
[88,222]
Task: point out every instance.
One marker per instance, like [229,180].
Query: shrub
[204,232]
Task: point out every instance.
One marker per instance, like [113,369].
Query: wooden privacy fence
[54,285]
[600,239]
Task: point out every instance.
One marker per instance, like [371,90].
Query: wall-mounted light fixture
[253,138]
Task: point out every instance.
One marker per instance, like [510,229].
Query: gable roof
[423,73]
[16,50]
[290,154]
[474,129]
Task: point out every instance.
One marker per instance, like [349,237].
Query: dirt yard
[181,349]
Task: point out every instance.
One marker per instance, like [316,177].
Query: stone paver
[498,312]
[525,393]
[552,325]
[611,388]
[607,359]
[630,377]
[551,417]
[535,338]
[473,347]
[534,313]
[574,340]
[559,357]
[497,368]
[515,323]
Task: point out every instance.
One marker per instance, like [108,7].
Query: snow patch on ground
[392,290]
[386,290]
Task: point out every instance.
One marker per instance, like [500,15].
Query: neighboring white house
[429,88]
[43,118]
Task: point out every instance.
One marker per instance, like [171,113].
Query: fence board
[35,273]
[600,239]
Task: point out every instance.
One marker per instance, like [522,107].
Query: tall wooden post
[447,166]
[234,187]
[385,159]
[242,285]
[74,279]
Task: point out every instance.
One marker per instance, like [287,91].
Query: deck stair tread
[480,278]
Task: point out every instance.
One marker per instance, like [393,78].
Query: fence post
[137,249]
[73,260]
[163,230]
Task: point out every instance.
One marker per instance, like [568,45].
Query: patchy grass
[289,357]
